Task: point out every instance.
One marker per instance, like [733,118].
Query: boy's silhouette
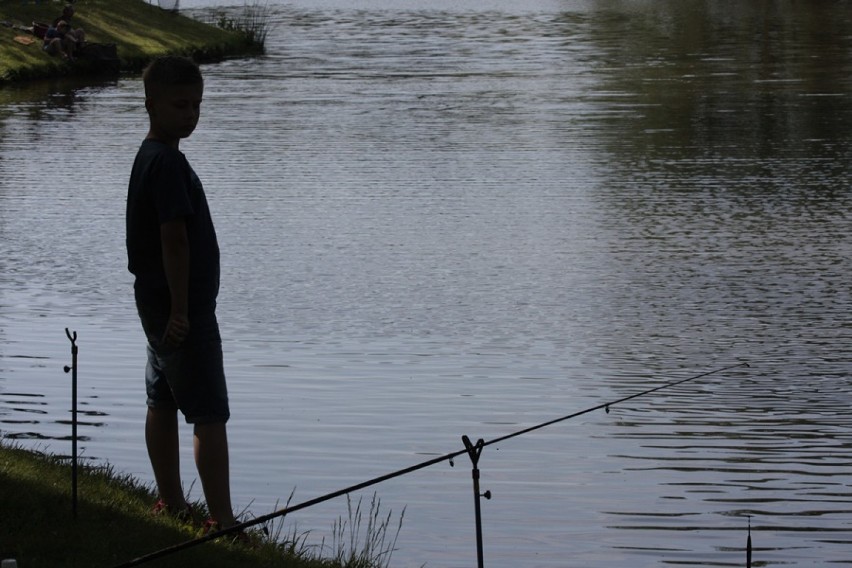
[174,255]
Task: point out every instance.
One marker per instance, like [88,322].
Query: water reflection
[49,100]
[749,79]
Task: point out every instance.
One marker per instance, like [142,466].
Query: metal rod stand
[474,451]
[73,369]
[748,544]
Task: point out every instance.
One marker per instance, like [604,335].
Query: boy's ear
[149,105]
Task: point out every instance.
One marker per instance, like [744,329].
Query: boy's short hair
[169,71]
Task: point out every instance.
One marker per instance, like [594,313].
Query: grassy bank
[140,31]
[114,523]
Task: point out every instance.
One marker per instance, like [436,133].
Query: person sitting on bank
[78,34]
[58,41]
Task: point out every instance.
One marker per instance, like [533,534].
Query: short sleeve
[170,184]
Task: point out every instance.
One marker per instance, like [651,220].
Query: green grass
[140,31]
[354,549]
[114,525]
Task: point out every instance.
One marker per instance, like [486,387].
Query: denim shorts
[190,377]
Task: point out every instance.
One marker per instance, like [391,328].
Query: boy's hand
[176,330]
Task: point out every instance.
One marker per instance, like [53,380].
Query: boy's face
[174,111]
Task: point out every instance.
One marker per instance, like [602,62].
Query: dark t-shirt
[163,187]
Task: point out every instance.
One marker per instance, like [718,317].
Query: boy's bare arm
[175,245]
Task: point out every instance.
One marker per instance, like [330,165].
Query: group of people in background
[62,39]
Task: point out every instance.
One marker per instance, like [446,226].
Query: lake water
[469,218]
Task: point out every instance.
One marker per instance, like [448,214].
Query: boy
[59,40]
[173,252]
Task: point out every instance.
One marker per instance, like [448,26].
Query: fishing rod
[469,449]
[606,405]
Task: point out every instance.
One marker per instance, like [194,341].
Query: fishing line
[400,472]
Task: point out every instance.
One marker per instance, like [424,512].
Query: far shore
[153,32]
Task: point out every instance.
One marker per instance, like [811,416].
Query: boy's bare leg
[161,437]
[211,458]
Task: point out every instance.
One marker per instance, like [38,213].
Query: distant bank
[138,29]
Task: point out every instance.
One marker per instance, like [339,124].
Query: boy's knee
[214,427]
[163,412]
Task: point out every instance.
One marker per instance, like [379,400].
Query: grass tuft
[252,22]
[376,549]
